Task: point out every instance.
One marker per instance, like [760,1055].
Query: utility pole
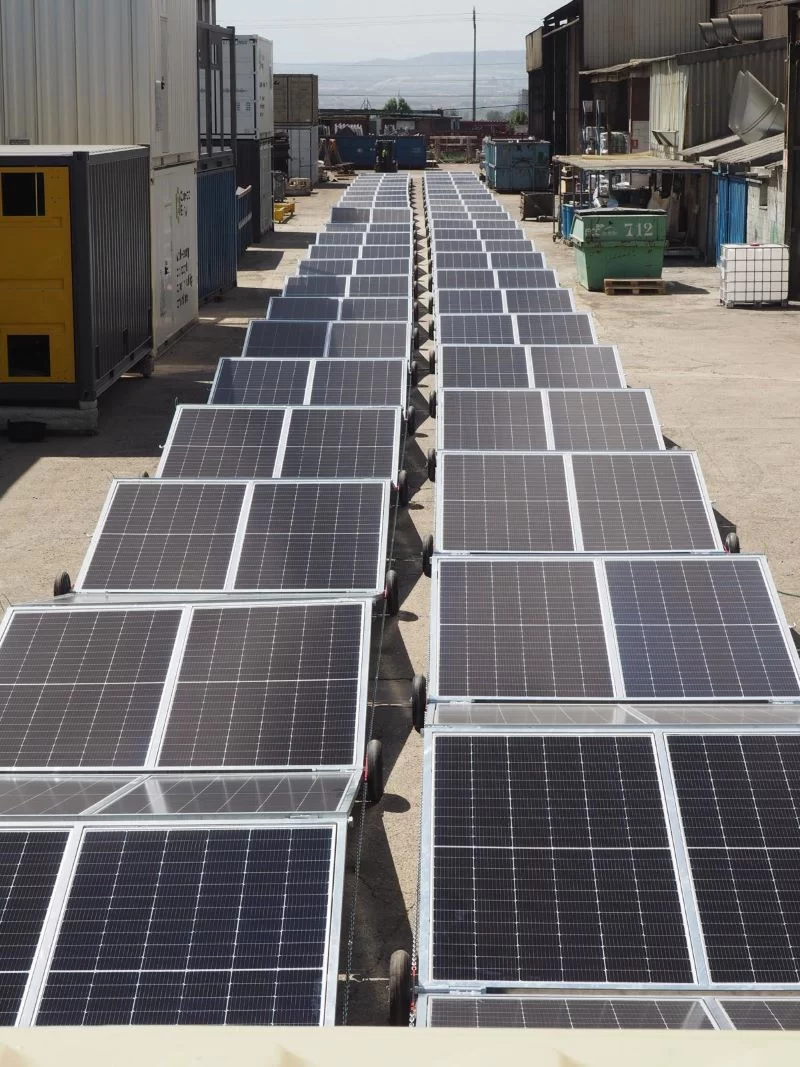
[474,64]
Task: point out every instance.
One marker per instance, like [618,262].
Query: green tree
[495,116]
[397,106]
[518,118]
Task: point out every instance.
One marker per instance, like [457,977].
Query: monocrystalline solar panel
[771,1013]
[476,330]
[376,309]
[316,285]
[286,339]
[462,261]
[527,279]
[504,503]
[521,628]
[573,1013]
[462,244]
[464,279]
[603,421]
[342,443]
[555,329]
[570,831]
[369,340]
[307,308]
[527,301]
[485,421]
[360,382]
[381,285]
[576,367]
[45,795]
[351,251]
[522,247]
[351,238]
[738,800]
[483,367]
[198,925]
[395,265]
[82,688]
[215,442]
[641,503]
[382,253]
[699,628]
[516,261]
[339,267]
[260,381]
[469,301]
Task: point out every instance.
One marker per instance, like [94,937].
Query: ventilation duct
[709,34]
[747,27]
[755,113]
[724,30]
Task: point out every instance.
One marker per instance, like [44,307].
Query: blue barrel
[567,219]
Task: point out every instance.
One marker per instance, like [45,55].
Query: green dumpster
[618,243]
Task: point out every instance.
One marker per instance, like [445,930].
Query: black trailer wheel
[411,420]
[373,772]
[400,988]
[402,489]
[732,543]
[392,593]
[427,554]
[432,464]
[432,404]
[62,585]
[414,373]
[432,362]
[419,701]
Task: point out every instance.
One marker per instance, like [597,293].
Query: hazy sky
[339,30]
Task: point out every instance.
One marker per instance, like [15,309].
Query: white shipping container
[173,215]
[255,109]
[100,72]
[303,152]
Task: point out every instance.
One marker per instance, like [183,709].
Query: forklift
[385,163]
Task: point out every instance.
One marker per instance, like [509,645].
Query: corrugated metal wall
[216,231]
[776,19]
[711,77]
[534,57]
[119,207]
[766,223]
[615,31]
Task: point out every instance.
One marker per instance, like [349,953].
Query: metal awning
[759,152]
[711,148]
[636,161]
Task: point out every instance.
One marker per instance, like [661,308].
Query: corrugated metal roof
[711,148]
[637,161]
[758,152]
[631,64]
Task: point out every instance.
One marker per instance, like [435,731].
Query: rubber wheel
[427,554]
[402,489]
[732,543]
[62,585]
[419,701]
[432,363]
[400,988]
[411,420]
[373,772]
[392,593]
[432,404]
[414,373]
[432,464]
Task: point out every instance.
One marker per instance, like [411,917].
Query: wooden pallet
[634,286]
[283,211]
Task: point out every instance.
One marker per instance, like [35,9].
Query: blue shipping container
[410,152]
[217,231]
[517,166]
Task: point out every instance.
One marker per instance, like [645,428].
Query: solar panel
[196,925]
[484,421]
[234,794]
[576,367]
[526,301]
[462,261]
[338,267]
[216,442]
[515,247]
[504,503]
[285,339]
[699,629]
[351,238]
[370,340]
[306,308]
[360,382]
[642,503]
[260,381]
[376,309]
[29,865]
[476,330]
[573,1013]
[463,279]
[351,251]
[738,800]
[380,285]
[770,1013]
[442,246]
[316,285]
[390,237]
[82,688]
[528,629]
[45,795]
[393,265]
[342,443]
[516,261]
[552,863]
[603,421]
[469,301]
[527,279]
[382,253]
[562,715]
[555,329]
[482,367]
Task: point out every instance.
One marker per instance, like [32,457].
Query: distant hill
[435,80]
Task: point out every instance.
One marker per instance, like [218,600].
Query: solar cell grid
[476,329]
[390,265]
[768,1014]
[260,381]
[464,279]
[360,382]
[286,339]
[492,421]
[381,285]
[469,301]
[601,421]
[369,340]
[552,863]
[376,309]
[307,308]
[316,285]
[526,301]
[462,261]
[211,926]
[576,367]
[515,247]
[483,367]
[526,279]
[214,442]
[351,251]
[567,1014]
[516,260]
[45,795]
[555,329]
[342,443]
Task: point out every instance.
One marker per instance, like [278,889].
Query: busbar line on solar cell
[576,367]
[739,801]
[218,442]
[483,367]
[567,1013]
[230,927]
[501,420]
[552,863]
[767,1013]
[603,420]
[251,381]
[265,382]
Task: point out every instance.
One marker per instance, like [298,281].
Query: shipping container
[254,168]
[255,108]
[73,72]
[303,151]
[216,71]
[517,166]
[173,213]
[410,153]
[296,98]
[216,231]
[75,301]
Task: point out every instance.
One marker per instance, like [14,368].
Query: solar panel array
[183,735]
[611,805]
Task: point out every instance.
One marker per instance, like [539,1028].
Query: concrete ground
[725,383]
